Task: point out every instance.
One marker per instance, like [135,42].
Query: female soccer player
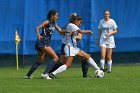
[107,28]
[71,48]
[43,43]
[62,56]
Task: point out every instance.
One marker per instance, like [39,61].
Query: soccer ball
[99,74]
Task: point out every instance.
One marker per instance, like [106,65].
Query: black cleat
[104,70]
[52,76]
[108,71]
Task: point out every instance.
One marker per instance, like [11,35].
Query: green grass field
[123,79]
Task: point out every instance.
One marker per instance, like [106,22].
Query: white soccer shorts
[108,45]
[71,50]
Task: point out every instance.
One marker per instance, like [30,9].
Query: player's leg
[62,60]
[84,68]
[109,59]
[58,64]
[51,52]
[88,59]
[103,54]
[63,67]
[35,65]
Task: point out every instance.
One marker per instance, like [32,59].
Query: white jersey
[106,27]
[70,39]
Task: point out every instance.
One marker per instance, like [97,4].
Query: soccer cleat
[108,71]
[104,70]
[45,76]
[52,76]
[28,77]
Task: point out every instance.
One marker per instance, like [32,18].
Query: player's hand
[108,34]
[39,37]
[71,32]
[90,32]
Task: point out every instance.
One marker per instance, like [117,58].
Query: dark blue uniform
[46,34]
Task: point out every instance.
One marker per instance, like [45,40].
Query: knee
[109,58]
[102,57]
[87,56]
[40,61]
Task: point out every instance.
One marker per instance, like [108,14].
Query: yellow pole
[17,55]
[17,40]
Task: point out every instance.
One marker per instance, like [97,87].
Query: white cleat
[45,76]
[28,77]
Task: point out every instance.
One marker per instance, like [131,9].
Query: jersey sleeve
[114,24]
[75,27]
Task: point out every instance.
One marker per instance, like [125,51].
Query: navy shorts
[41,43]
[62,49]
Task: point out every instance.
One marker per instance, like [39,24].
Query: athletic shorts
[71,50]
[108,45]
[41,43]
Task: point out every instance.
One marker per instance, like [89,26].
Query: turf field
[123,79]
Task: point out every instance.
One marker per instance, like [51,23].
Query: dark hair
[106,10]
[50,13]
[74,18]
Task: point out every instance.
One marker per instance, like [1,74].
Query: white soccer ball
[99,74]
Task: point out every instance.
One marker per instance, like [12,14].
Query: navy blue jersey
[46,34]
[48,29]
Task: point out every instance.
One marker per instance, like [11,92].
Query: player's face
[54,17]
[106,15]
[78,22]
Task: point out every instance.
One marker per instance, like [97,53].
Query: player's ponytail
[73,17]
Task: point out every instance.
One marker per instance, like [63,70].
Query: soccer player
[43,43]
[107,28]
[71,49]
[63,58]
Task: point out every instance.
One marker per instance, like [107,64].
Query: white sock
[102,63]
[60,69]
[92,63]
[109,65]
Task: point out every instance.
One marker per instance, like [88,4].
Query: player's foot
[45,76]
[52,76]
[108,71]
[104,70]
[28,77]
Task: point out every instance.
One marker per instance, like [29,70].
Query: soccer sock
[60,69]
[85,68]
[102,63]
[56,66]
[109,65]
[92,63]
[32,69]
[49,66]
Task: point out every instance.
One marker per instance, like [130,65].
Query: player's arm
[61,31]
[84,31]
[99,34]
[40,26]
[79,36]
[113,32]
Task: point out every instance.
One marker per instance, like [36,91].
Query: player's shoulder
[102,20]
[111,20]
[71,24]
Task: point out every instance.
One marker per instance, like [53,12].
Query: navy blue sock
[84,68]
[49,66]
[56,66]
[32,69]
